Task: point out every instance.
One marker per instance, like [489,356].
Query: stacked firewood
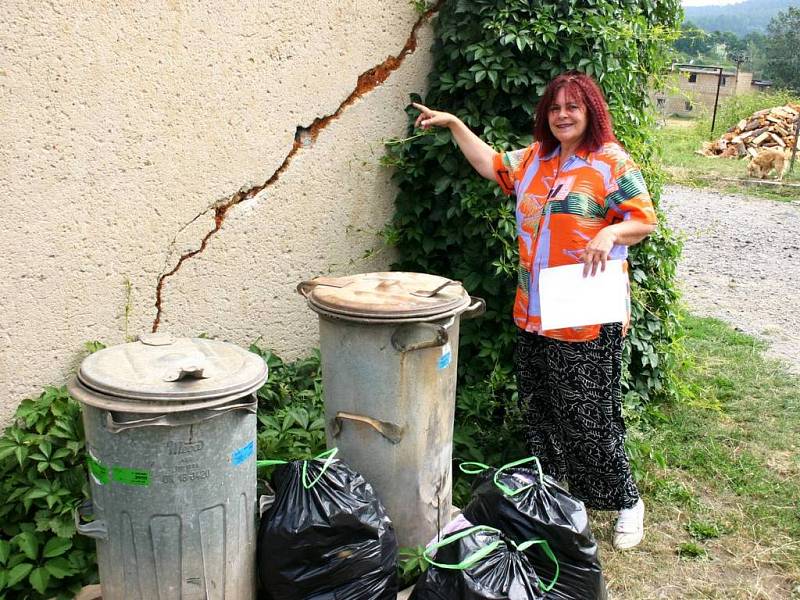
[768,128]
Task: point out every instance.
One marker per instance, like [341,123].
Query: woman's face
[567,119]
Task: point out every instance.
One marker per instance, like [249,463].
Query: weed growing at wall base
[291,416]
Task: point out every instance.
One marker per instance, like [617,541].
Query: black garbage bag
[479,563]
[525,504]
[326,536]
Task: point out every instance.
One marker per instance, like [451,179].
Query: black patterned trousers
[570,397]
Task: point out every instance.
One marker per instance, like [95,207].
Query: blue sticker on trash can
[243,453]
[446,357]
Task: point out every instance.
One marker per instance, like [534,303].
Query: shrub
[42,480]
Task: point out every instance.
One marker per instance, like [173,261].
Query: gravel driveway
[741,263]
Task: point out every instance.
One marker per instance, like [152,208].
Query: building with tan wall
[691,91]
[183,165]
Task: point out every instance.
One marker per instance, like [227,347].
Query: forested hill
[741,19]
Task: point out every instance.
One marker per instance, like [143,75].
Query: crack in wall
[183,227]
[304,138]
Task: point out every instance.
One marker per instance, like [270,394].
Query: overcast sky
[708,2]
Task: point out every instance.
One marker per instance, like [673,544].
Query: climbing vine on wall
[492,61]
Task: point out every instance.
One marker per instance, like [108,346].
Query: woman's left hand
[597,251]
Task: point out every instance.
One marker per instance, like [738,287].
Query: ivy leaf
[36,493]
[56,546]
[18,573]
[46,448]
[61,453]
[28,543]
[5,550]
[59,567]
[22,454]
[62,527]
[39,579]
[442,183]
[6,449]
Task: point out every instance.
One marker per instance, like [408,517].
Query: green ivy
[492,62]
[291,416]
[410,565]
[42,480]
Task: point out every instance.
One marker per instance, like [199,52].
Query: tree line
[774,55]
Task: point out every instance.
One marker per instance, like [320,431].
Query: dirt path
[741,263]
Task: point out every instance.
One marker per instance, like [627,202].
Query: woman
[580,199]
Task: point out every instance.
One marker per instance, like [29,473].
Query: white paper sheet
[568,299]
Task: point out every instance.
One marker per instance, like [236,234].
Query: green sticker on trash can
[98,470]
[130,476]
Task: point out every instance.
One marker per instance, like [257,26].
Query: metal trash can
[389,345]
[171,442]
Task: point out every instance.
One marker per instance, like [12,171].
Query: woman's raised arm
[479,154]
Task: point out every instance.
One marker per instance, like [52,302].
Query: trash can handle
[476,308]
[402,338]
[391,431]
[94,529]
[178,418]
[186,371]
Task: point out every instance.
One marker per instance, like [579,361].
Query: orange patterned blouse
[560,208]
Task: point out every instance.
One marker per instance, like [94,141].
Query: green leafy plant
[420,6]
[692,551]
[291,415]
[492,61]
[411,565]
[93,346]
[704,530]
[643,455]
[42,481]
[487,429]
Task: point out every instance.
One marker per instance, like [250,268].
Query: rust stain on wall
[304,138]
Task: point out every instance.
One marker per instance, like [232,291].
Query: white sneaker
[629,529]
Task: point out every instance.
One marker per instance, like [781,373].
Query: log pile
[768,128]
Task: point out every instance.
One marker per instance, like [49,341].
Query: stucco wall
[124,124]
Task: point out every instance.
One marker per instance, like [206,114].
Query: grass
[723,515]
[680,139]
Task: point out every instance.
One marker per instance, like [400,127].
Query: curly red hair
[583,89]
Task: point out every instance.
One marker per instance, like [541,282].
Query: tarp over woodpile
[768,128]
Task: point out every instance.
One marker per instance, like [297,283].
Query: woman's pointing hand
[432,118]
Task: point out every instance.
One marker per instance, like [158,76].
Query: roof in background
[703,69]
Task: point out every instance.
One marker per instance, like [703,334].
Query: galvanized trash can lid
[386,295]
[160,367]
